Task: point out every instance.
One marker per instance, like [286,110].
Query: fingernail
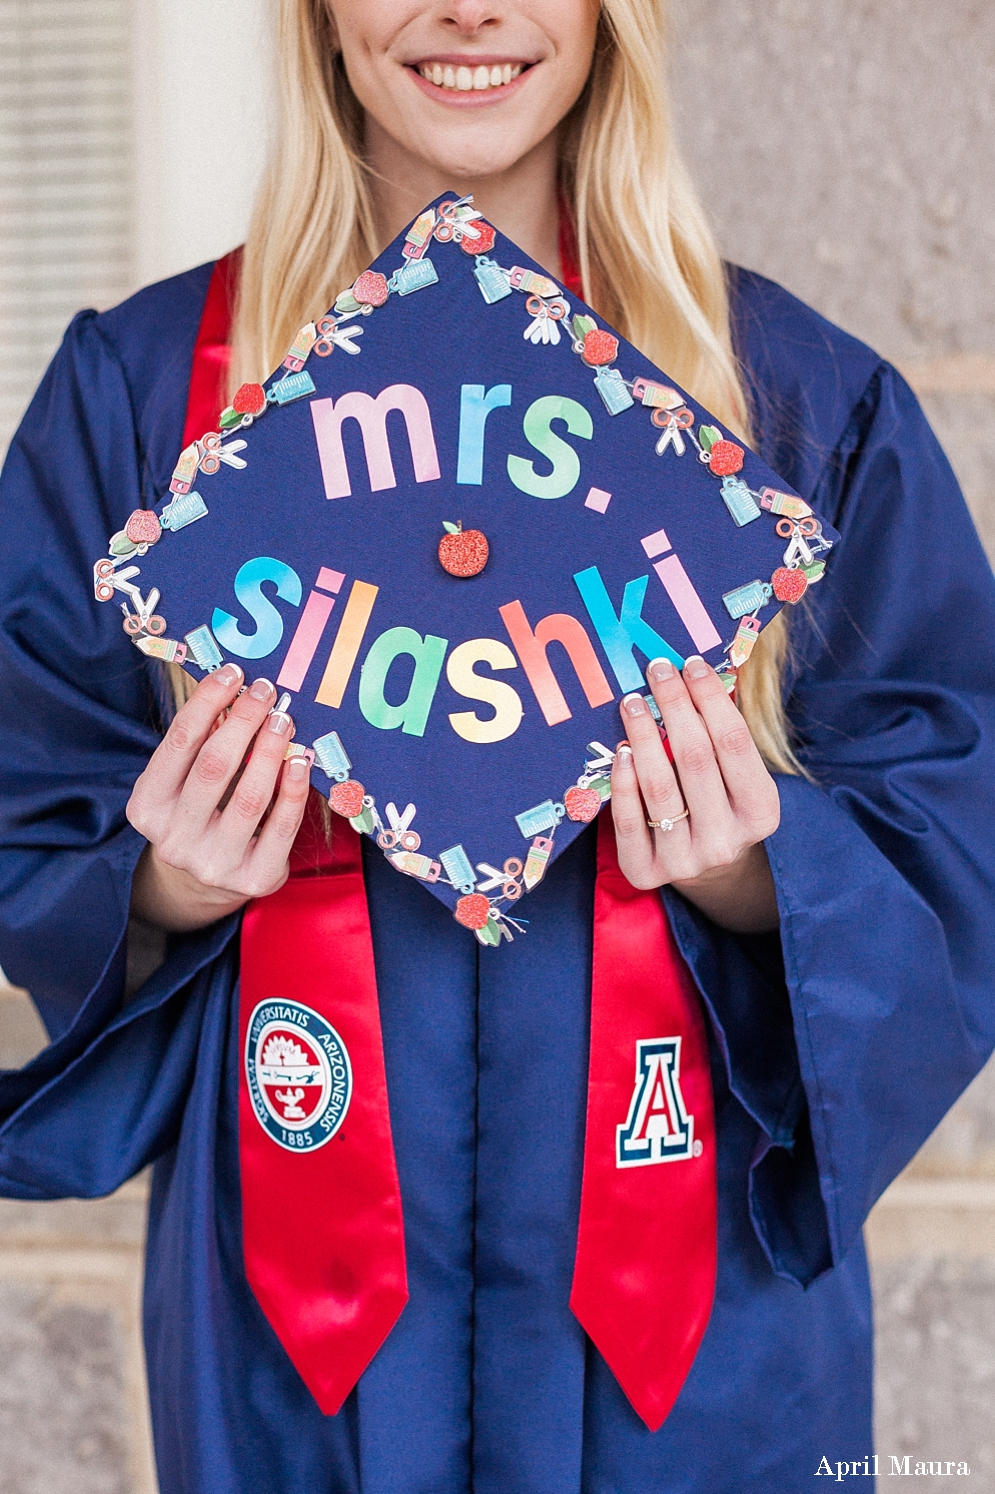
[297,767]
[634,705]
[623,750]
[695,667]
[279,722]
[660,670]
[228,676]
[261,689]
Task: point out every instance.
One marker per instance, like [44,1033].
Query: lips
[470,77]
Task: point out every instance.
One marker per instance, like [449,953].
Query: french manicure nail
[279,722]
[660,670]
[623,750]
[261,689]
[298,767]
[634,705]
[695,667]
[229,675]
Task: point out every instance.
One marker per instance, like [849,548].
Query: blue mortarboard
[454,526]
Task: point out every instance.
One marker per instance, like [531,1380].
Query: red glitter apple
[371,288]
[725,458]
[600,347]
[581,804]
[347,798]
[143,528]
[250,399]
[789,585]
[463,552]
[473,911]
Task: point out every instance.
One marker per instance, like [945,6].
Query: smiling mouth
[463,79]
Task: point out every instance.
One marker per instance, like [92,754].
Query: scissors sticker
[399,835]
[332,335]
[507,878]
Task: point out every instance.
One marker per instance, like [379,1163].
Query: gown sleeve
[80,718]
[848,1049]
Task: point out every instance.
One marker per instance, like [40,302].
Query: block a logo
[299,1075]
[658,1127]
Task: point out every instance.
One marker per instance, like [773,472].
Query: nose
[471,16]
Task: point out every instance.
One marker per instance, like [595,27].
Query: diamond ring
[667,824]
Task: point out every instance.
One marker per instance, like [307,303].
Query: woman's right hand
[204,861]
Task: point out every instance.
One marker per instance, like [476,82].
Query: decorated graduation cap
[453,527]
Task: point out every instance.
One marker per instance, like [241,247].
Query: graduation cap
[453,527]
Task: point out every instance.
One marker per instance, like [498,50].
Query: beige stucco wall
[846,150]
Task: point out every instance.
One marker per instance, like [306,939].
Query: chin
[470,167]
[474,155]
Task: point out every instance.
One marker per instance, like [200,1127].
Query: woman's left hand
[714,856]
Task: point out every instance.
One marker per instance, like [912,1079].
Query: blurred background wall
[845,150]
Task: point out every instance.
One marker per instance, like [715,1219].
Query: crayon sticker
[414,865]
[297,749]
[301,347]
[656,396]
[531,283]
[166,649]
[744,642]
[784,503]
[536,861]
[185,469]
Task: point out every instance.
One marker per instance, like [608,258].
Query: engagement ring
[667,824]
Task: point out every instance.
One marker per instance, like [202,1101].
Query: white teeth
[464,78]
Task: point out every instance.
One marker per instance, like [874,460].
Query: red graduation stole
[314,1120]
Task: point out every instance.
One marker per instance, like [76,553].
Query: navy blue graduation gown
[836,1047]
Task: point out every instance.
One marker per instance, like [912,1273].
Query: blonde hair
[663,286]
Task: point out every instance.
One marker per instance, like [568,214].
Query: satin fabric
[835,1047]
[206,397]
[322,1232]
[644,1278]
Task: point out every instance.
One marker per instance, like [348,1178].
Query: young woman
[828,888]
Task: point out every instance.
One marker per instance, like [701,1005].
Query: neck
[521,201]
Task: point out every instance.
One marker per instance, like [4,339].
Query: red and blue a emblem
[299,1074]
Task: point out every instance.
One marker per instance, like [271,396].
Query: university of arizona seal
[299,1074]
